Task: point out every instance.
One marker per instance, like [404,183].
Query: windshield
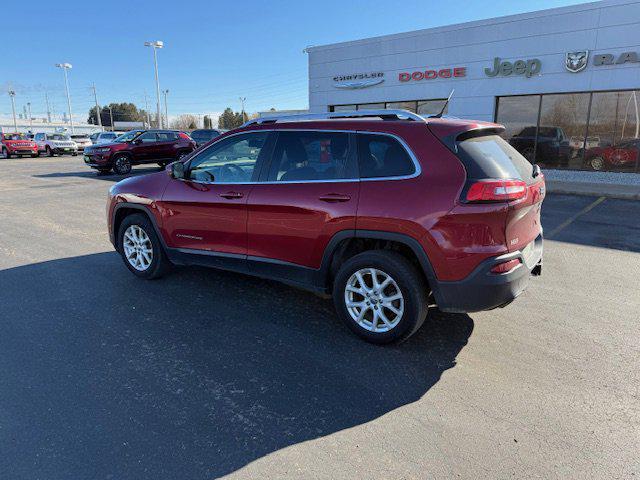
[127,137]
[15,136]
[60,137]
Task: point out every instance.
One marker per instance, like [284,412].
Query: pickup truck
[553,148]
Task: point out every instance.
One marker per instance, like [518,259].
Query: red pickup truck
[17,144]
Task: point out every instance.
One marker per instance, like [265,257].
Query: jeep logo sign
[527,68]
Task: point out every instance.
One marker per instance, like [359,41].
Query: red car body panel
[198,216]
[616,156]
[294,222]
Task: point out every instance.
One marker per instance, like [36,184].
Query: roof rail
[384,114]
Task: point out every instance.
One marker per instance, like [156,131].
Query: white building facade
[565,82]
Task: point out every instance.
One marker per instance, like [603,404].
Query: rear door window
[490,156]
[381,156]
[312,155]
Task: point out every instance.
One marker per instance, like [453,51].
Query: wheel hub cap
[137,247]
[374,300]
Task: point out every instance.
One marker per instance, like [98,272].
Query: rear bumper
[483,290]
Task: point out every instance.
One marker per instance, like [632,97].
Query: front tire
[35,155]
[122,164]
[381,296]
[140,247]
[6,154]
[596,163]
[50,152]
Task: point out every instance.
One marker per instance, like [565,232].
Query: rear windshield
[489,156]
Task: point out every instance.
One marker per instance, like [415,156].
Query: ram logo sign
[576,61]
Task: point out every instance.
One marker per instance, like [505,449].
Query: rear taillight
[184,136]
[505,267]
[496,191]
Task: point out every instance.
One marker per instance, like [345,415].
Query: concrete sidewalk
[608,184]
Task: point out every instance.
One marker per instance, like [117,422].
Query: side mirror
[177,170]
[137,142]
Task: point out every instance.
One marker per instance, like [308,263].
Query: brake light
[505,267]
[496,191]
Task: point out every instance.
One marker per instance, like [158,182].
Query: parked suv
[82,141]
[552,147]
[56,144]
[136,147]
[390,217]
[204,135]
[17,144]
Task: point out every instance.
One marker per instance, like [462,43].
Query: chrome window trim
[417,169]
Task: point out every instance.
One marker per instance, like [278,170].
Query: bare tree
[185,121]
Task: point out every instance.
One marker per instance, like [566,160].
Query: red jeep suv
[389,212]
[17,144]
[136,147]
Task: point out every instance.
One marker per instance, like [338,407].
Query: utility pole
[95,97]
[46,99]
[65,67]
[156,45]
[12,94]
[111,116]
[29,112]
[166,110]
[146,109]
[242,100]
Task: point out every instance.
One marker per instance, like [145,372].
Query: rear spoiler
[451,138]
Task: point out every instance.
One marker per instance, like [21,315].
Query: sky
[215,52]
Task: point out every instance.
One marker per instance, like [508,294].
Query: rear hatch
[498,174]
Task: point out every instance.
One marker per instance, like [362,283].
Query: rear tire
[596,163]
[383,315]
[122,164]
[140,248]
[49,151]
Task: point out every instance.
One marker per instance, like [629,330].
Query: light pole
[95,97]
[166,110]
[29,112]
[242,100]
[12,94]
[65,67]
[155,45]
[111,117]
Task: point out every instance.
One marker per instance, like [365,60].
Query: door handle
[231,195]
[335,197]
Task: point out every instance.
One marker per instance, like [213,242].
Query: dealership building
[565,82]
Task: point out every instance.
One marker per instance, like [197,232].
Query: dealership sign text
[527,68]
[431,74]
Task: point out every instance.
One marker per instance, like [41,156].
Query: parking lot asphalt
[205,374]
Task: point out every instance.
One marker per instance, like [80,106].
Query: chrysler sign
[358,80]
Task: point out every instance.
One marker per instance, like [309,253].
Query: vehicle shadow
[110,177]
[192,376]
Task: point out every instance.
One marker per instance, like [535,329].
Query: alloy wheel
[374,300]
[137,247]
[597,163]
[122,165]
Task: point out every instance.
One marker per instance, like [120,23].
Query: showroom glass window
[614,132]
[593,131]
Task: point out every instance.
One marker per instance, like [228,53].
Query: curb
[624,192]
